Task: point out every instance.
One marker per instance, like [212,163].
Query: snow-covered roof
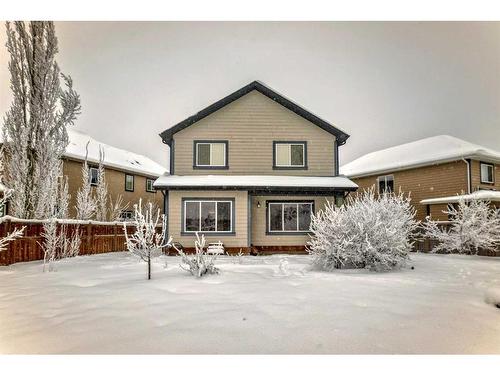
[113,157]
[483,195]
[427,151]
[174,181]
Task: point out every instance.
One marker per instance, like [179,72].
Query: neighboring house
[126,173]
[435,170]
[250,170]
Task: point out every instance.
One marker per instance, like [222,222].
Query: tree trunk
[149,268]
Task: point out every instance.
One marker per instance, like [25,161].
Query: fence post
[9,254]
[89,238]
[115,238]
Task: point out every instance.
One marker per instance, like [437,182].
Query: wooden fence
[96,238]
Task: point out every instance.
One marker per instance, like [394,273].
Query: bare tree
[34,130]
[5,194]
[146,242]
[117,207]
[101,190]
[85,203]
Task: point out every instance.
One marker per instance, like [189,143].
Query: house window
[149,185]
[289,217]
[210,154]
[129,182]
[385,184]
[208,216]
[126,215]
[487,171]
[290,154]
[94,176]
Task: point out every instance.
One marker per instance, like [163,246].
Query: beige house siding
[116,186]
[240,221]
[425,182]
[258,227]
[250,124]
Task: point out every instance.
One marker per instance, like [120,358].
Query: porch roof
[255,182]
[485,195]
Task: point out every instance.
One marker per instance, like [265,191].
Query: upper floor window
[487,173]
[385,184]
[210,154]
[93,175]
[290,155]
[129,182]
[149,185]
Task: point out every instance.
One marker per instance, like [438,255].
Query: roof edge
[341,136]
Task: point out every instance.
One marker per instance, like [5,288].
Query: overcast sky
[383,83]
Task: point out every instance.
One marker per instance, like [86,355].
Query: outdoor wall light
[258,204]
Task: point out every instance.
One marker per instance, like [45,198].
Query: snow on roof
[113,157]
[427,151]
[484,195]
[255,181]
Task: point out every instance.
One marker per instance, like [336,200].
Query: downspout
[165,212]
[469,176]
[336,157]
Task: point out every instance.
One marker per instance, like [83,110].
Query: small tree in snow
[473,226]
[367,231]
[146,242]
[85,203]
[199,263]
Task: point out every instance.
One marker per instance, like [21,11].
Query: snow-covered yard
[103,304]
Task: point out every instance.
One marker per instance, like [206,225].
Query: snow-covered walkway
[103,304]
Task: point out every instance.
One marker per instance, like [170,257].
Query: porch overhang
[484,195]
[261,184]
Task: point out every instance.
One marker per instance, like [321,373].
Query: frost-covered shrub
[473,225]
[367,231]
[199,263]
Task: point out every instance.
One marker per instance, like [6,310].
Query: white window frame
[152,190]
[282,204]
[289,165]
[199,208]
[97,176]
[133,182]
[211,154]
[385,184]
[489,165]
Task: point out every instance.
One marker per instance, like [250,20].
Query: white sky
[384,83]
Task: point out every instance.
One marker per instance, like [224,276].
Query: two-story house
[250,170]
[436,171]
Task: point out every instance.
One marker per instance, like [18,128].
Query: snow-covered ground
[275,304]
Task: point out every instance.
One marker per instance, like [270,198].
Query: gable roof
[271,94]
[427,151]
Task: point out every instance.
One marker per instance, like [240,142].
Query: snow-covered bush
[473,225]
[199,263]
[367,231]
[146,242]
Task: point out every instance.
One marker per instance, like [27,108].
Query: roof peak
[265,90]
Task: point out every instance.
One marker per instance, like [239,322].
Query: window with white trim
[210,154]
[149,185]
[208,216]
[487,171]
[385,184]
[291,154]
[289,216]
